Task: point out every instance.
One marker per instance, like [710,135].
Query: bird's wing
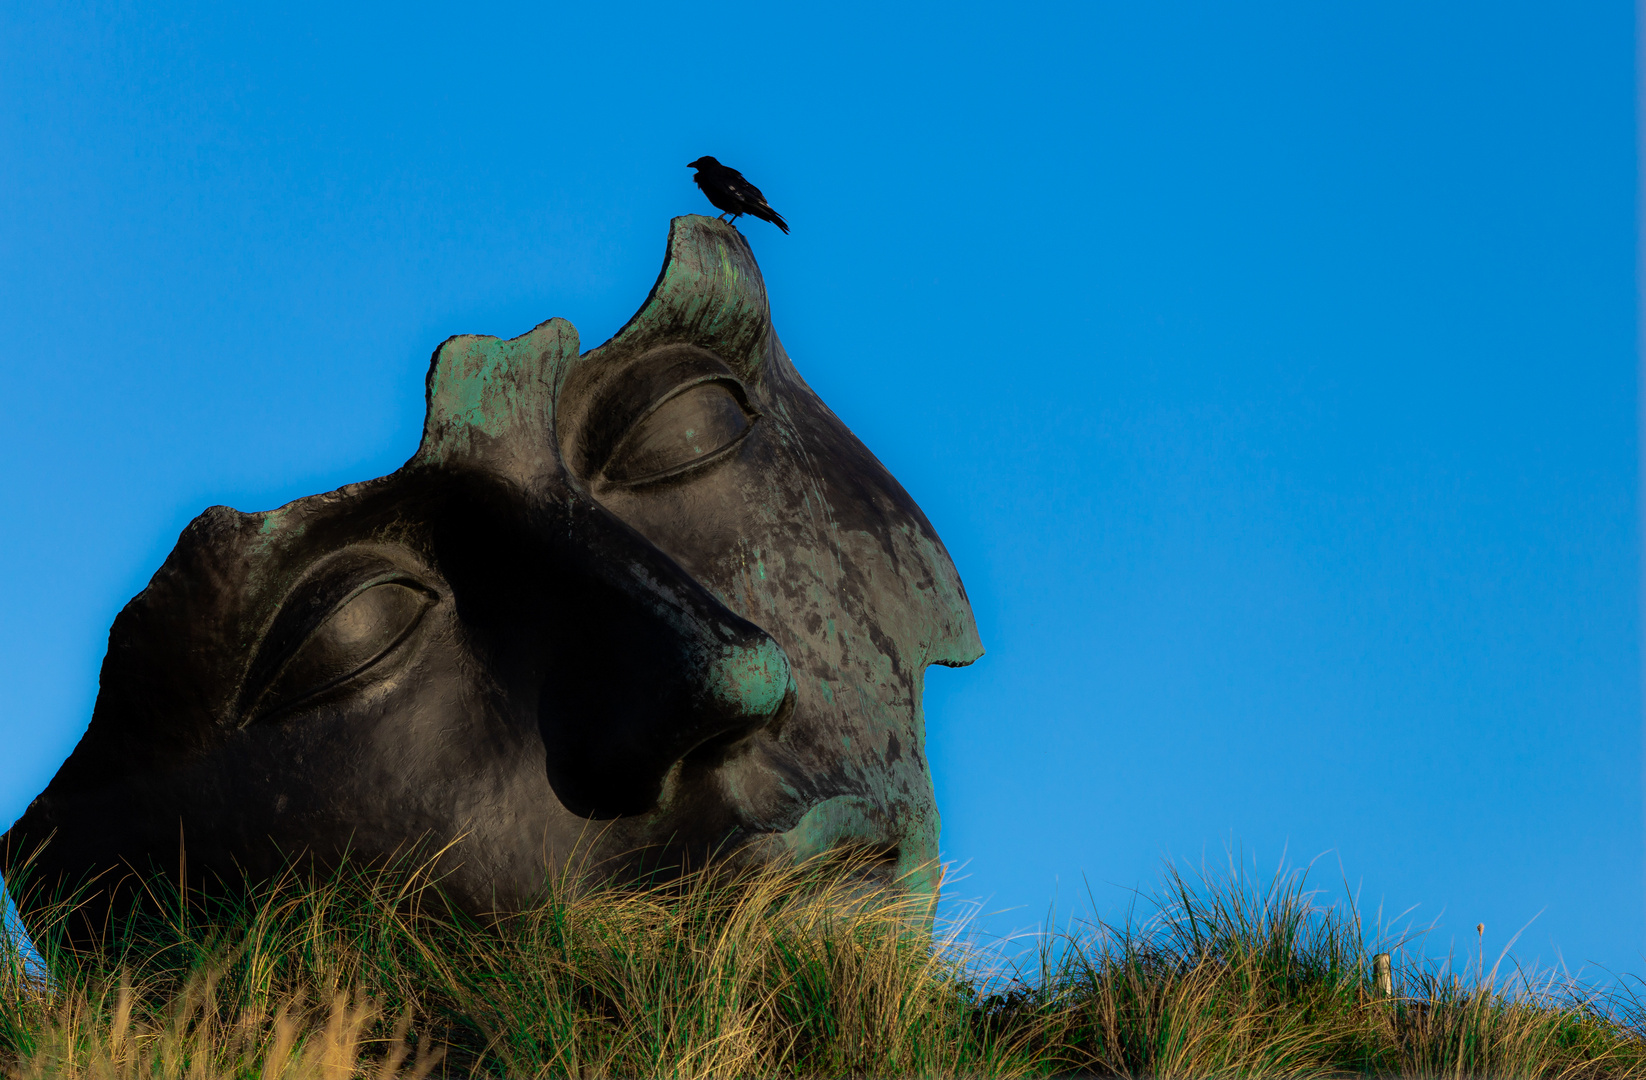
[737,185]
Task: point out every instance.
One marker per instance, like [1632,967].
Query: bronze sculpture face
[649,602]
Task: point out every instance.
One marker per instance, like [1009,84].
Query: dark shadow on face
[638,605]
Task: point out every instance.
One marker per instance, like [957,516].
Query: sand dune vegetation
[802,971]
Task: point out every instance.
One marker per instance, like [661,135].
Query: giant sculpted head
[652,601]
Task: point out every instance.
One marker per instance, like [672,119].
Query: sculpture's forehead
[497,404]
[504,417]
[521,411]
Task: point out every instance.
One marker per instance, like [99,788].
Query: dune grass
[801,971]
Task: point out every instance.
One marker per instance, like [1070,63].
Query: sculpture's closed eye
[691,427]
[358,633]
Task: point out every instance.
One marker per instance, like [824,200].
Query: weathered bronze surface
[641,604]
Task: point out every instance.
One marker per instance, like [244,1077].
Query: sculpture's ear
[491,402]
[710,294]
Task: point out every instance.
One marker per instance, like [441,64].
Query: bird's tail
[774,217]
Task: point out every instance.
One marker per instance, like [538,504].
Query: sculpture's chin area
[852,828]
[842,832]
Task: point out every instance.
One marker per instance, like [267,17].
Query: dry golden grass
[1231,977]
[802,971]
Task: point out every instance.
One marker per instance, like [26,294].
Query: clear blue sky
[1269,370]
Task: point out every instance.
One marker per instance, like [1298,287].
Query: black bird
[730,193]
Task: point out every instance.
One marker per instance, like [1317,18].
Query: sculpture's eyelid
[335,601]
[730,382]
[302,616]
[387,577]
[618,467]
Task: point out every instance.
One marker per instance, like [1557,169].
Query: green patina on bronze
[485,393]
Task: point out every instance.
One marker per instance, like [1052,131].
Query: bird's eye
[696,424]
[357,634]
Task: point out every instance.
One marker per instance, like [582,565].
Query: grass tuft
[796,971]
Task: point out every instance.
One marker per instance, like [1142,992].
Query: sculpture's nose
[641,667]
[645,667]
[625,663]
